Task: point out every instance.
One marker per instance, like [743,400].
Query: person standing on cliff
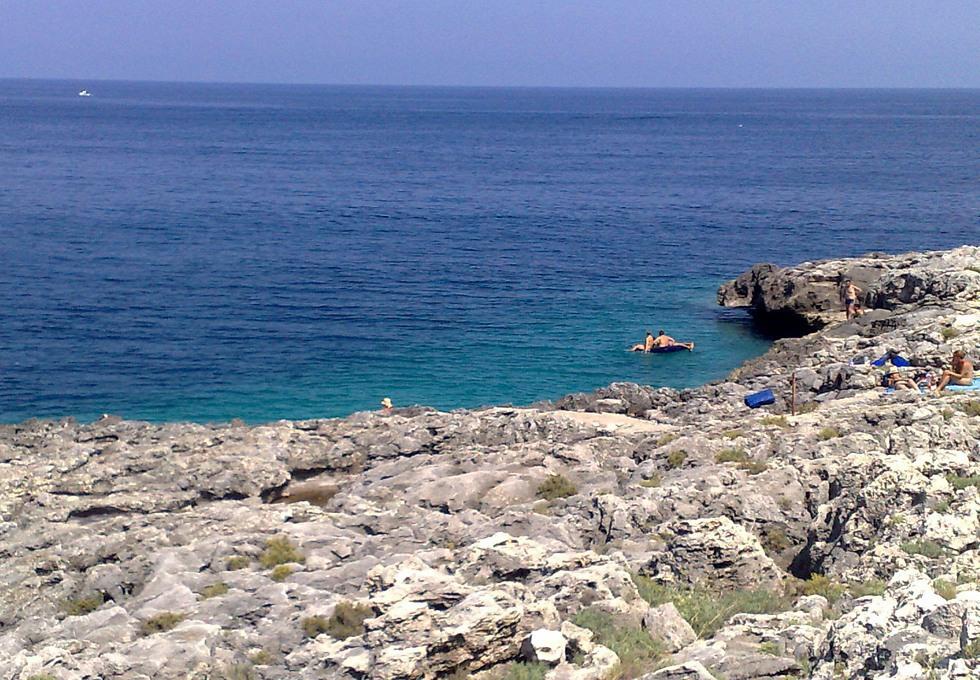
[961,374]
[849,295]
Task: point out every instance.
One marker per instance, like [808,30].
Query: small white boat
[84,93]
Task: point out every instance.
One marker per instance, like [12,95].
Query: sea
[204,252]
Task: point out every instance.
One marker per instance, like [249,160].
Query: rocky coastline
[629,532]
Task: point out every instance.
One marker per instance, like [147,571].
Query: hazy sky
[847,43]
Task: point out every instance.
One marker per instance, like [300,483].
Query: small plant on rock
[970,408]
[556,486]
[261,657]
[770,648]
[945,589]
[959,482]
[925,547]
[676,458]
[870,587]
[83,605]
[972,650]
[526,671]
[754,467]
[161,623]
[818,584]
[41,676]
[733,455]
[638,652]
[236,562]
[238,671]
[313,626]
[732,434]
[214,590]
[775,539]
[278,551]
[948,414]
[828,433]
[653,482]
[775,421]
[667,439]
[281,573]
[347,620]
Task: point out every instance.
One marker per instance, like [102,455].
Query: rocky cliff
[631,532]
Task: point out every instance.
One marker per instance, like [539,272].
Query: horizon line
[493,86]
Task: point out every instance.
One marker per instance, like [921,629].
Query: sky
[611,43]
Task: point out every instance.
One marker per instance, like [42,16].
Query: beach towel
[975,387]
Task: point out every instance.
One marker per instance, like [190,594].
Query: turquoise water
[206,252]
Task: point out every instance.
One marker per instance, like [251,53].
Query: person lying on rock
[961,372]
[644,346]
[898,381]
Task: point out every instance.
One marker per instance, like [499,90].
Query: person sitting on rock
[849,295]
[664,340]
[644,346]
[961,373]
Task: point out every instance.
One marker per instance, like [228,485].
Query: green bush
[754,467]
[556,486]
[733,455]
[775,539]
[526,671]
[42,676]
[236,562]
[313,626]
[926,548]
[83,605]
[238,671]
[807,407]
[638,652]
[347,620]
[706,609]
[949,333]
[970,408]
[676,458]
[828,433]
[732,434]
[214,590]
[261,657]
[281,572]
[653,482]
[870,587]
[948,414]
[775,421]
[770,648]
[161,623]
[945,589]
[278,551]
[667,439]
[959,483]
[972,650]
[818,584]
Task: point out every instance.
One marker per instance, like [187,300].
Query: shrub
[970,408]
[807,407]
[161,623]
[775,421]
[949,333]
[526,671]
[83,605]
[818,584]
[542,507]
[945,589]
[347,620]
[281,572]
[556,486]
[653,482]
[214,590]
[870,587]
[770,648]
[313,626]
[707,610]
[754,467]
[941,506]
[667,439]
[278,551]
[732,434]
[947,414]
[828,433]
[238,671]
[638,652]
[959,483]
[676,458]
[972,650]
[261,657]
[775,539]
[734,455]
[236,562]
[42,676]
[926,548]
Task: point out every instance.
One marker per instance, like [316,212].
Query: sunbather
[961,372]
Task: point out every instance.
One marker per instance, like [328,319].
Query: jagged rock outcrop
[663,533]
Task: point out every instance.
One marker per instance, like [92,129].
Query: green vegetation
[542,507]
[261,657]
[870,587]
[949,333]
[770,648]
[676,458]
[83,605]
[941,506]
[346,621]
[948,414]
[959,483]
[281,572]
[775,421]
[667,439]
[708,610]
[818,584]
[732,434]
[828,433]
[526,671]
[733,455]
[754,467]
[926,548]
[653,482]
[970,408]
[313,626]
[556,486]
[236,562]
[42,676]
[213,590]
[279,550]
[945,589]
[637,651]
[972,650]
[775,540]
[238,671]
[161,623]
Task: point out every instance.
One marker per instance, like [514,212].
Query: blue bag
[763,398]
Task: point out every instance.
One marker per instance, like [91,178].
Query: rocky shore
[630,532]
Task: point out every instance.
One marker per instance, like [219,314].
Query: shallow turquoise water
[207,252]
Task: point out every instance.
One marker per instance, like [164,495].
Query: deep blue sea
[205,252]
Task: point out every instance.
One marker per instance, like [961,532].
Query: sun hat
[386,402]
